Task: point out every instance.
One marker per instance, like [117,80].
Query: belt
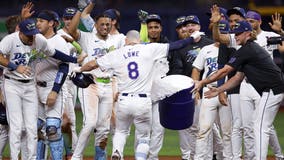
[103,80]
[41,83]
[132,95]
[19,80]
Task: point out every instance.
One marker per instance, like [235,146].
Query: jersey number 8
[133,70]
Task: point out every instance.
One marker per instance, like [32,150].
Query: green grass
[171,141]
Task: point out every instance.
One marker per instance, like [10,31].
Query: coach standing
[252,61]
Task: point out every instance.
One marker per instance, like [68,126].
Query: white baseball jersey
[207,60]
[261,39]
[21,54]
[133,65]
[233,42]
[47,68]
[95,48]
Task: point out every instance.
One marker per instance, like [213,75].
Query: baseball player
[228,45]
[153,30]
[50,76]
[255,63]
[180,62]
[97,99]
[134,85]
[211,108]
[249,98]
[71,90]
[19,83]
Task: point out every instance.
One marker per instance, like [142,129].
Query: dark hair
[12,22]
[117,25]
[97,17]
[49,15]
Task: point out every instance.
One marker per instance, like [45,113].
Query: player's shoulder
[11,37]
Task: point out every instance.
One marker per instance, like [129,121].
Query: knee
[53,129]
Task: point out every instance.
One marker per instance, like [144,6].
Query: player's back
[133,65]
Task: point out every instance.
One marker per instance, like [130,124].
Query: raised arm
[73,28]
[214,20]
[86,18]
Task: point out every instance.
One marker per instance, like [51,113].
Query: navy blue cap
[56,16]
[242,26]
[237,10]
[48,15]
[153,17]
[111,13]
[224,26]
[69,12]
[192,19]
[28,27]
[180,21]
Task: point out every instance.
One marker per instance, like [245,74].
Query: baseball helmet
[82,80]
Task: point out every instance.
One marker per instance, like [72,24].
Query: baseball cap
[153,17]
[192,19]
[253,15]
[223,12]
[242,26]
[180,21]
[48,15]
[111,13]
[69,12]
[224,26]
[28,27]
[237,10]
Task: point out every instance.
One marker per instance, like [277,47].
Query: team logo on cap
[237,25]
[189,18]
[180,19]
[70,11]
[31,26]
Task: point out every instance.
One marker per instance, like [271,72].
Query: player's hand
[142,15]
[82,4]
[196,34]
[81,57]
[24,70]
[276,24]
[76,70]
[197,86]
[215,14]
[213,92]
[51,99]
[27,10]
[196,97]
[223,98]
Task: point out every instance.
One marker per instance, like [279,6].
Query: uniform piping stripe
[261,122]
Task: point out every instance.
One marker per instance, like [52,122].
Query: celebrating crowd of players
[39,96]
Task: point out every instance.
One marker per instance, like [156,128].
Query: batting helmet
[82,80]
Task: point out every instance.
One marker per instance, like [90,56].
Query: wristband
[12,66]
[77,46]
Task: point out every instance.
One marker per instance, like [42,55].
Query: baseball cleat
[116,156]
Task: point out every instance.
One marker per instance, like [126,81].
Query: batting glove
[196,34]
[142,15]
[82,4]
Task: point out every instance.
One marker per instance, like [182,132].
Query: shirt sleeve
[199,60]
[42,45]
[88,23]
[6,45]
[144,33]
